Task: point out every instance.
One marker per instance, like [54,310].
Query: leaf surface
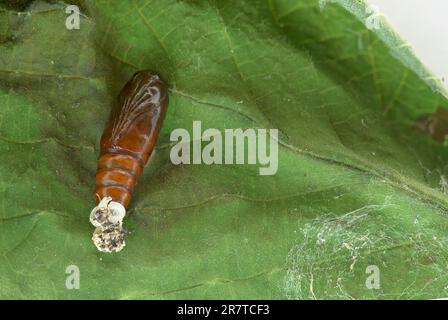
[356,185]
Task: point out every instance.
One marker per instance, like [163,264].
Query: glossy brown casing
[130,136]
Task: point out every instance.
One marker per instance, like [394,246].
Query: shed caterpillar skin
[126,145]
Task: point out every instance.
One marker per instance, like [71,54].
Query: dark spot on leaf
[435,124]
[18,5]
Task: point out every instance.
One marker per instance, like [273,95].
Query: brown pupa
[126,145]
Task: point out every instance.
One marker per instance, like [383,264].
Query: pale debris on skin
[109,239]
[107,212]
[108,218]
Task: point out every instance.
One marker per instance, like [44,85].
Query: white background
[424,25]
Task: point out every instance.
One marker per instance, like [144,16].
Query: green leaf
[356,185]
